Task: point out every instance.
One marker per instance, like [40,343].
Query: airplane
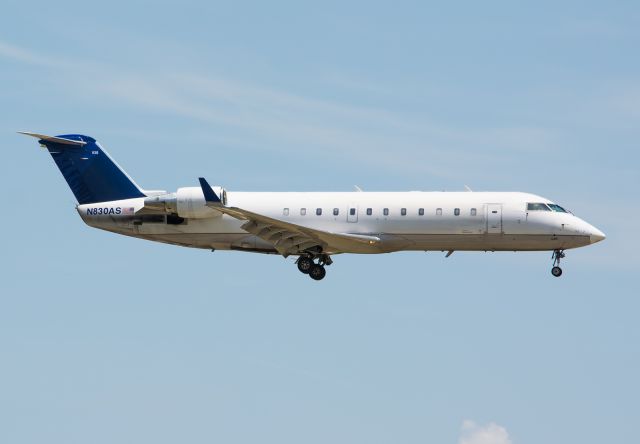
[312,226]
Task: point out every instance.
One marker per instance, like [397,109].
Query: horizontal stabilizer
[54,139]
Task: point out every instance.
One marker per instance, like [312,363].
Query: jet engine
[187,202]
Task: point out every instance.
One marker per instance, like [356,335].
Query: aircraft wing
[288,238]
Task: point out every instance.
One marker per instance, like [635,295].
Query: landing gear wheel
[304,264]
[317,272]
[556,256]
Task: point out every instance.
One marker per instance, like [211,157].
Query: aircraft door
[352,213]
[494,218]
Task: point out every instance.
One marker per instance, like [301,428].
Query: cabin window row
[303,211]
[385,211]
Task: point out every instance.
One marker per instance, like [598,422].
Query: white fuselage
[490,221]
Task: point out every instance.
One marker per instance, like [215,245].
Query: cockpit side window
[537,207]
[557,208]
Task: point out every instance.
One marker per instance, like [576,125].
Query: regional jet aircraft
[312,226]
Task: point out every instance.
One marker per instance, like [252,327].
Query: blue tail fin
[90,172]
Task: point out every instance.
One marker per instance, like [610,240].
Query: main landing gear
[556,256]
[316,271]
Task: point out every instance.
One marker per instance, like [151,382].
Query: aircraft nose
[596,235]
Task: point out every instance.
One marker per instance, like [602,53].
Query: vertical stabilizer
[90,172]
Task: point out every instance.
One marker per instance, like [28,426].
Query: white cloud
[491,433]
[22,55]
[345,131]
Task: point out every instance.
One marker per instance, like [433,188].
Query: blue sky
[108,339]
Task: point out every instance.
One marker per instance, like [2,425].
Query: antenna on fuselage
[468,189]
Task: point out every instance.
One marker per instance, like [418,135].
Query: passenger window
[336,211]
[369,211]
[403,211]
[318,211]
[303,211]
[438,211]
[473,211]
[421,212]
[456,212]
[537,207]
[285,212]
[352,211]
[385,211]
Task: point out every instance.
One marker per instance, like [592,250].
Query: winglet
[209,195]
[54,139]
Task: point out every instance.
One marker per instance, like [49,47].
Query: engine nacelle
[187,202]
[190,203]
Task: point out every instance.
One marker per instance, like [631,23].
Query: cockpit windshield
[557,208]
[537,207]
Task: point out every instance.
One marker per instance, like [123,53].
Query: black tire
[317,272]
[556,271]
[304,264]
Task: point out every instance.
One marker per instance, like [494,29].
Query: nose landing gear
[556,256]
[316,271]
